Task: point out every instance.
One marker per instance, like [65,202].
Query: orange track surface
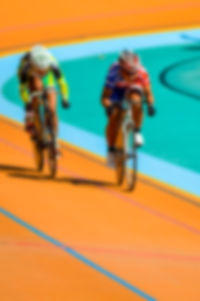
[46,21]
[149,238]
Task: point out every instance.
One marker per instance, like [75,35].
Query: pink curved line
[140,205]
[107,251]
[100,16]
[154,212]
[112,192]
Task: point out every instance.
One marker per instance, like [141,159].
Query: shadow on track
[4,167]
[26,173]
[74,181]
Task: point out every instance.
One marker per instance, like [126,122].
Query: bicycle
[44,138]
[126,149]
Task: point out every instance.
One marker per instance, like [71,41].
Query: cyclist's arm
[24,93]
[147,89]
[105,99]
[23,70]
[108,88]
[62,83]
[23,87]
[149,94]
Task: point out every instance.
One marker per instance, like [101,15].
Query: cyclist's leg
[137,114]
[114,122]
[34,85]
[49,84]
[52,99]
[137,109]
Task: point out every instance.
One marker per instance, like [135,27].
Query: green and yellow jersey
[49,79]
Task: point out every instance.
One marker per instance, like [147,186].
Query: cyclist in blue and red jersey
[126,79]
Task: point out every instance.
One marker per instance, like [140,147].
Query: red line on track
[134,203]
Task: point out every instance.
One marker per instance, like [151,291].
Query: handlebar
[123,105]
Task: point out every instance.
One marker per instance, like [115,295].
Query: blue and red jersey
[119,85]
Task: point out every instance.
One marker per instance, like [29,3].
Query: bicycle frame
[46,138]
[43,110]
[126,156]
[127,124]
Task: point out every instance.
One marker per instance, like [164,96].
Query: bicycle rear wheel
[38,156]
[119,163]
[37,142]
[130,160]
[52,161]
[119,158]
[52,155]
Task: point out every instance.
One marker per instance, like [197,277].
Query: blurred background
[79,236]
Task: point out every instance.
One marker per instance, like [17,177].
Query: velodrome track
[79,237]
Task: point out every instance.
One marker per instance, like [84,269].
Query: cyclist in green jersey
[38,71]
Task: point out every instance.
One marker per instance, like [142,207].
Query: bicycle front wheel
[130,160]
[52,161]
[119,165]
[119,157]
